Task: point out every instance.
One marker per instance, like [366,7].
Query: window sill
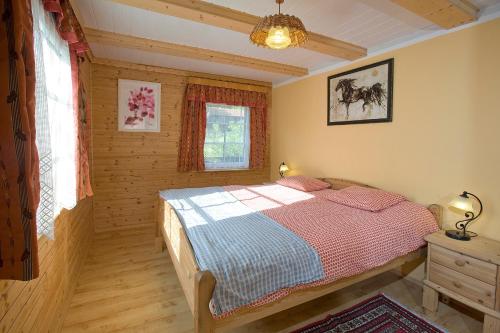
[228,169]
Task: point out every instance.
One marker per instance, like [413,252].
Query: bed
[199,284]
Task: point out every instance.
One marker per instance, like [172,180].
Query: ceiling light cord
[279,2]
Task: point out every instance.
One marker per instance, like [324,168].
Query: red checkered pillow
[303,183]
[364,198]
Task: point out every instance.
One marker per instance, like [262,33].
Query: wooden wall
[39,305]
[130,168]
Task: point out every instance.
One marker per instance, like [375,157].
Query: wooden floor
[125,286]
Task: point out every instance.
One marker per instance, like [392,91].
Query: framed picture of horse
[361,95]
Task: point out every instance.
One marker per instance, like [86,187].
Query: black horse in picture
[375,94]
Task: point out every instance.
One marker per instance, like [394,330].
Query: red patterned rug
[378,314]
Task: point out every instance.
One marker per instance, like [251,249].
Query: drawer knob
[457,284]
[460,263]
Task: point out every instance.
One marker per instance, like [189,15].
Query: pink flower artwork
[139,106]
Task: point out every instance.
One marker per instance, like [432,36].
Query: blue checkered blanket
[249,254]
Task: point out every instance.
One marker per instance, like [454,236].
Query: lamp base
[459,235]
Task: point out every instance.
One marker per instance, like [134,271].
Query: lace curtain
[55,121]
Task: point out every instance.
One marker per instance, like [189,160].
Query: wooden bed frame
[199,285]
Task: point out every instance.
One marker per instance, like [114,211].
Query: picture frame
[361,95]
[139,106]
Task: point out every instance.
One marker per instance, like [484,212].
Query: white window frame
[241,165]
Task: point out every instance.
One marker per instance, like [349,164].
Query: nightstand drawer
[475,268]
[475,290]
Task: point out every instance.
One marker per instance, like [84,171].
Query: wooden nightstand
[467,271]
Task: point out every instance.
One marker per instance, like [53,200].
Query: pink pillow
[303,183]
[365,198]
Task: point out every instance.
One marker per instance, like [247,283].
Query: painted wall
[444,138]
[131,168]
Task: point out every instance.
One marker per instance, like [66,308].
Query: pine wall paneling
[39,305]
[130,168]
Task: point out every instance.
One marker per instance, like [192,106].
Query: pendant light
[279,31]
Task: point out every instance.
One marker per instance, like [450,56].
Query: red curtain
[258,134]
[67,24]
[19,182]
[71,31]
[83,186]
[19,169]
[194,123]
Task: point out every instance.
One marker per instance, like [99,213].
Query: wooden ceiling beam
[223,17]
[445,13]
[143,44]
[179,72]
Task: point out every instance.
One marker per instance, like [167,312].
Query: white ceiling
[374,24]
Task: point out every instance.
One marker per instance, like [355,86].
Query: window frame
[230,166]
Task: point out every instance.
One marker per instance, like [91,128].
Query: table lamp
[283,169]
[463,204]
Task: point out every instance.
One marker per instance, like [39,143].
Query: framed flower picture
[139,106]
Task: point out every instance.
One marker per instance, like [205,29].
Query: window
[54,120]
[227,138]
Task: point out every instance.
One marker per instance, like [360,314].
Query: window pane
[214,132]
[214,153]
[235,132]
[233,152]
[227,137]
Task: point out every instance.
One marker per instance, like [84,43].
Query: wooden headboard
[338,184]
